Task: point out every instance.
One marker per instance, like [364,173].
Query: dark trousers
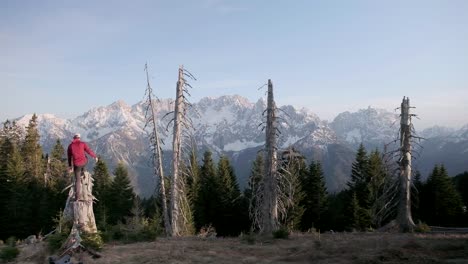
[78,171]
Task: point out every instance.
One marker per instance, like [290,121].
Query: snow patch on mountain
[318,138]
[354,135]
[230,125]
[50,127]
[446,134]
[101,121]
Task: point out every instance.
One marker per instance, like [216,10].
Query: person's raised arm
[90,152]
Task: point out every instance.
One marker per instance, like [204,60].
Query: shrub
[422,228]
[93,241]
[11,241]
[151,229]
[281,233]
[207,231]
[135,230]
[55,241]
[248,238]
[9,253]
[107,234]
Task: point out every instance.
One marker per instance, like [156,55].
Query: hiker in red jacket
[77,157]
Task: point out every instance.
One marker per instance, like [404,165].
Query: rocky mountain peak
[231,125]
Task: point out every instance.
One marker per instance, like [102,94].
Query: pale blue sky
[65,57]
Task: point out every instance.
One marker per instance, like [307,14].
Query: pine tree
[292,168]
[336,216]
[10,140]
[416,191]
[19,202]
[443,204]
[376,182]
[360,176]
[6,149]
[6,144]
[186,199]
[193,180]
[22,167]
[49,193]
[228,179]
[12,186]
[360,186]
[207,203]
[121,195]
[152,208]
[32,151]
[57,171]
[101,188]
[230,200]
[461,183]
[58,165]
[353,213]
[316,197]
[256,175]
[193,186]
[11,131]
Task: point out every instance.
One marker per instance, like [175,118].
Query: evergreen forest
[32,195]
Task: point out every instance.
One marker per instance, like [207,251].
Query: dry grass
[359,248]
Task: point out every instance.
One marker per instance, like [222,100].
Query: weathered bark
[78,211]
[269,217]
[177,149]
[167,220]
[404,218]
[81,211]
[157,155]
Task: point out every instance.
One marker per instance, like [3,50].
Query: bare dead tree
[155,141]
[397,192]
[404,218]
[179,216]
[265,214]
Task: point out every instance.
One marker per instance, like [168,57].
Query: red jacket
[76,150]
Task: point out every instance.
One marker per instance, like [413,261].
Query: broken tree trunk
[177,148]
[79,210]
[157,152]
[269,210]
[404,218]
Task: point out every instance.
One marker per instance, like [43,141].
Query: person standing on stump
[77,158]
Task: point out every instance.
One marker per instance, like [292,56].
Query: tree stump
[80,213]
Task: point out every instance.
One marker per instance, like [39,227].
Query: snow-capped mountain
[371,126]
[446,146]
[437,131]
[232,126]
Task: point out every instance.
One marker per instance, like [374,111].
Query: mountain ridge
[229,125]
